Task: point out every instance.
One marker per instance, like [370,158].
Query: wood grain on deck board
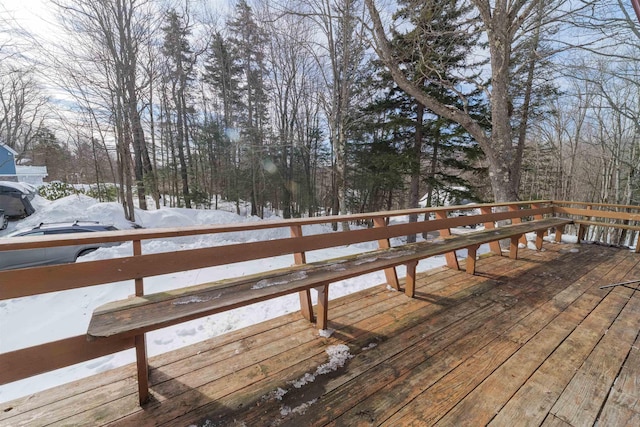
[519,339]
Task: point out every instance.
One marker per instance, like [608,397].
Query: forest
[319,107]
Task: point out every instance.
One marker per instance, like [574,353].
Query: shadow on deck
[526,342]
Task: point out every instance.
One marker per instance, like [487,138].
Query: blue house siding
[7,160]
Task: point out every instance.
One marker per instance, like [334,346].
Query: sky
[36,16]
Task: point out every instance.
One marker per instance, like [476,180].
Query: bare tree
[109,37]
[21,107]
[339,57]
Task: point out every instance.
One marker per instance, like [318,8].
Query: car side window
[63,231]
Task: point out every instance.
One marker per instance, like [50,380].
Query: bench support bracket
[452,259]
[390,273]
[306,308]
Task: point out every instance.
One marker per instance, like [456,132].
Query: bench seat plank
[141,314]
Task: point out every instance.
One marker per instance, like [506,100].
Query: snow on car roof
[16,186]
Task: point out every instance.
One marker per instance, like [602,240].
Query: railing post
[452,260]
[306,307]
[390,273]
[140,340]
[490,225]
[537,206]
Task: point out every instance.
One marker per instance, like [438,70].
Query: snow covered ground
[25,322]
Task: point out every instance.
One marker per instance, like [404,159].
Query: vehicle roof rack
[75,223]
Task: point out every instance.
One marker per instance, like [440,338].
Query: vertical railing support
[390,273]
[490,225]
[537,206]
[582,229]
[306,307]
[142,363]
[452,259]
[517,220]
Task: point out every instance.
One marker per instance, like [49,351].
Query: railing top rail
[601,205]
[159,233]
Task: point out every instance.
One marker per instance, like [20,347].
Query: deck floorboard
[533,341]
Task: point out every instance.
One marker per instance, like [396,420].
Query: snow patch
[300,409]
[338,356]
[335,267]
[397,254]
[365,261]
[325,333]
[266,283]
[370,346]
[194,299]
[304,380]
[187,332]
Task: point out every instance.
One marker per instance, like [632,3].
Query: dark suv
[3,220]
[53,255]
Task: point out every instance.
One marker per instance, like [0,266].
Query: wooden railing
[133,269]
[617,225]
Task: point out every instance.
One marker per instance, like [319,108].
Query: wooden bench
[138,315]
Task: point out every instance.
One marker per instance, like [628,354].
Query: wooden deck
[526,342]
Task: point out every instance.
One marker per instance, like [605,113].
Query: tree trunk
[414,190]
[500,26]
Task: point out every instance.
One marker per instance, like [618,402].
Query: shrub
[57,190]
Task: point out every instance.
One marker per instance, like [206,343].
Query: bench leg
[323,307]
[523,239]
[143,369]
[559,230]
[472,251]
[452,260]
[410,281]
[513,247]
[392,278]
[539,236]
[306,307]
